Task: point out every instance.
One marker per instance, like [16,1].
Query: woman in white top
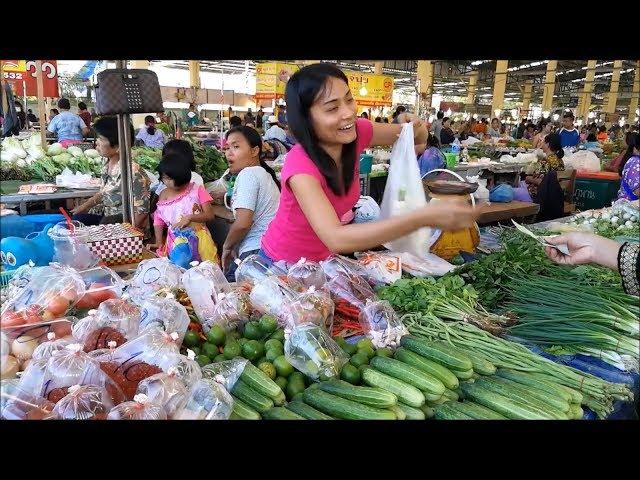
[185,149]
[255,198]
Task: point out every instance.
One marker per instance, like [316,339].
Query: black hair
[151,130]
[444,120]
[183,148]
[385,120]
[602,129]
[440,115]
[302,90]
[108,128]
[531,125]
[64,103]
[592,138]
[555,144]
[55,110]
[632,139]
[82,105]
[364,115]
[173,165]
[568,115]
[255,140]
[399,109]
[378,119]
[29,111]
[235,121]
[432,141]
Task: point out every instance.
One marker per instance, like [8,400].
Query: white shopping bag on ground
[404,193]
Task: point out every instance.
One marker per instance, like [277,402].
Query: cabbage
[33,141]
[55,149]
[36,152]
[91,153]
[13,145]
[21,162]
[7,155]
[75,151]
[63,158]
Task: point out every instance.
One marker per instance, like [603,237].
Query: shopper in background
[543,184]
[31,117]
[274,131]
[68,126]
[529,132]
[431,156]
[436,126]
[110,194]
[52,113]
[569,135]
[248,117]
[84,114]
[587,248]
[546,128]
[616,164]
[259,119]
[364,115]
[494,130]
[255,197]
[446,133]
[630,172]
[602,134]
[399,109]
[191,116]
[22,116]
[320,181]
[465,131]
[378,119]
[519,131]
[151,136]
[282,114]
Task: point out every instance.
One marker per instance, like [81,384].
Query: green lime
[203,360]
[359,359]
[365,342]
[242,341]
[272,354]
[209,349]
[252,331]
[268,369]
[384,352]
[350,349]
[312,369]
[252,350]
[216,335]
[368,351]
[220,358]
[340,341]
[273,343]
[191,339]
[231,350]
[282,382]
[268,324]
[350,374]
[233,335]
[278,335]
[283,367]
[296,377]
[294,388]
[258,361]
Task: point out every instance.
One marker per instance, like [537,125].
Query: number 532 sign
[49,77]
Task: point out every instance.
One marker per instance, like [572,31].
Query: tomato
[70,294]
[86,302]
[58,305]
[61,329]
[11,319]
[30,317]
[100,295]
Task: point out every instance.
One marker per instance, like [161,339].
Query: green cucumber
[480,363]
[406,393]
[446,412]
[428,411]
[476,411]
[373,397]
[530,380]
[411,413]
[436,352]
[514,392]
[259,381]
[430,397]
[255,400]
[547,398]
[576,412]
[408,374]
[439,401]
[448,379]
[398,412]
[242,411]
[307,411]
[506,406]
[279,399]
[451,395]
[342,408]
[281,413]
[463,374]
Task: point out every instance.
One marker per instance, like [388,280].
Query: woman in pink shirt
[320,184]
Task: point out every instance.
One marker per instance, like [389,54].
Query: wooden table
[23,199]
[496,212]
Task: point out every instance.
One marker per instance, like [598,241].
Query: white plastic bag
[482,193]
[582,160]
[404,192]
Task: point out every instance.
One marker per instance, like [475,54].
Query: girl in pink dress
[183,205]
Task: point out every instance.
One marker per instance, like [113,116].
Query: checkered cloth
[115,244]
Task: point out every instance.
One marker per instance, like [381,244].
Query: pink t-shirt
[289,235]
[187,203]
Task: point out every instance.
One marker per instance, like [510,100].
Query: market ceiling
[451,76]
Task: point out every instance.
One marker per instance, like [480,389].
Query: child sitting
[183,205]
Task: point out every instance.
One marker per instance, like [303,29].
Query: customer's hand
[183,222]
[228,256]
[451,215]
[584,248]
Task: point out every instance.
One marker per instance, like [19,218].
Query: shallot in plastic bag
[140,408]
[165,389]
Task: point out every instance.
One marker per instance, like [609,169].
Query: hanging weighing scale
[441,185]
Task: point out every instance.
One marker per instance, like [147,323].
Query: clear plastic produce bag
[225,373]
[164,313]
[230,311]
[430,265]
[140,408]
[353,289]
[382,268]
[20,404]
[309,274]
[271,295]
[255,268]
[165,389]
[116,320]
[70,246]
[101,283]
[32,378]
[49,294]
[207,400]
[151,352]
[45,350]
[337,264]
[310,349]
[153,275]
[404,193]
[313,306]
[381,324]
[83,402]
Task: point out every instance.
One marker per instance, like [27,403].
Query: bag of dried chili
[140,408]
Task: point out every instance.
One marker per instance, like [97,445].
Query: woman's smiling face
[333,114]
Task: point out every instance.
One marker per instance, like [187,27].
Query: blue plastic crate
[16,226]
[41,221]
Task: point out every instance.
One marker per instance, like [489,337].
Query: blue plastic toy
[182,254]
[36,248]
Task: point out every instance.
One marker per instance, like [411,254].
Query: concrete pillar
[612,97]
[526,97]
[473,87]
[194,73]
[584,101]
[499,86]
[549,86]
[635,94]
[425,82]
[377,68]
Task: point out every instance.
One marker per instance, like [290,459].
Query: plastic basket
[366,162]
[5,277]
